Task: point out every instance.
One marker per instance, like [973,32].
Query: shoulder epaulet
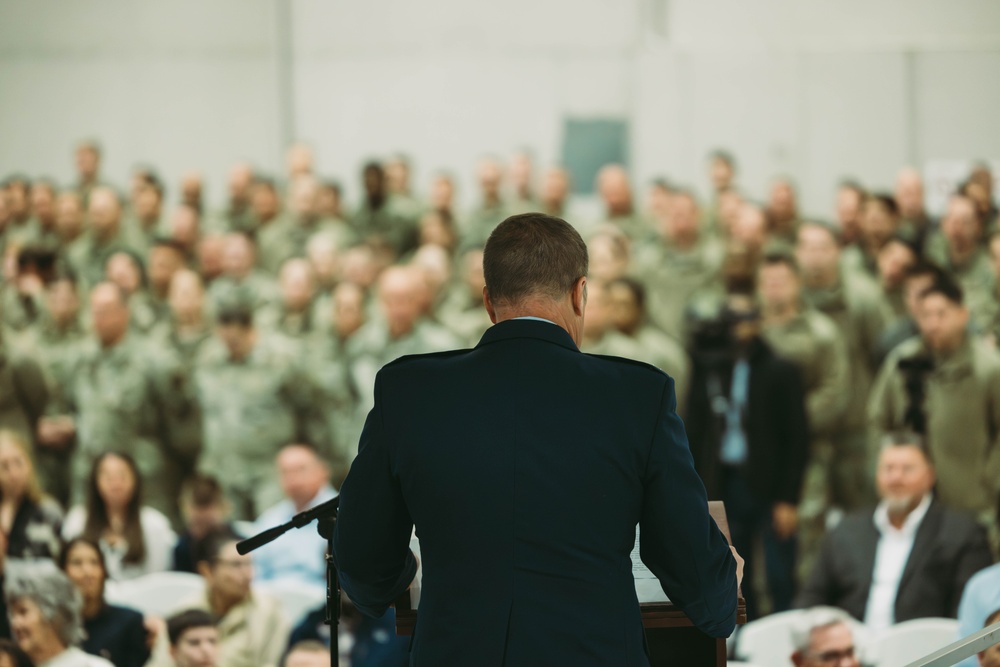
[626,360]
[427,355]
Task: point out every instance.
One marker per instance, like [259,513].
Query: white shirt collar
[910,524]
[537,319]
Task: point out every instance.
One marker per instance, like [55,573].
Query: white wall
[820,89]
[178,85]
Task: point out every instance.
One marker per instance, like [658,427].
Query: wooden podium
[672,638]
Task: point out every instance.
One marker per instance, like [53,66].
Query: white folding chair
[245,529]
[908,641]
[768,641]
[158,593]
[297,598]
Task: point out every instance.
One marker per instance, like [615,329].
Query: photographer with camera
[748,431]
[945,384]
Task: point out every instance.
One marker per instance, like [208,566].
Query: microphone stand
[326,513]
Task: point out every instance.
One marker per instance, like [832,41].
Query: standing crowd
[167,367]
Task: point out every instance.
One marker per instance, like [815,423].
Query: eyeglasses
[833,657]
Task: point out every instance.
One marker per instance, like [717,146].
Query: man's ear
[489,305]
[204,570]
[579,296]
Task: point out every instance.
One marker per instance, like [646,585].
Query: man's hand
[785,519]
[739,567]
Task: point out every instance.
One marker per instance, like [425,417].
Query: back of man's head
[533,255]
[307,653]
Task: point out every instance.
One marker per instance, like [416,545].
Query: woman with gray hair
[44,609]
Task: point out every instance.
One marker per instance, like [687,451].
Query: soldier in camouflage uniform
[57,343]
[122,392]
[375,219]
[294,316]
[811,340]
[104,237]
[463,311]
[400,331]
[616,195]
[239,274]
[289,236]
[492,209]
[853,303]
[180,339]
[683,262]
[958,249]
[255,398]
[329,368]
[636,338]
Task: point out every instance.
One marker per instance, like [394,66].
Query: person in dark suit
[909,559]
[749,437]
[525,466]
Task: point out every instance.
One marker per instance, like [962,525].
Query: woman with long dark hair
[115,633]
[134,539]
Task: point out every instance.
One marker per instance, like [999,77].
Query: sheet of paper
[647,586]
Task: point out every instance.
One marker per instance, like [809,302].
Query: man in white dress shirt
[910,558]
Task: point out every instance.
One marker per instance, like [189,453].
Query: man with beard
[909,559]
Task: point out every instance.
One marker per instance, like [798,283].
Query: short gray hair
[815,619]
[906,439]
[57,598]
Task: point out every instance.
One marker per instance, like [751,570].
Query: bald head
[399,293]
[109,313]
[614,188]
[104,212]
[297,284]
[299,160]
[186,296]
[909,193]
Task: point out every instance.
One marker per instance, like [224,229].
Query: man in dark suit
[911,558]
[525,466]
[749,436]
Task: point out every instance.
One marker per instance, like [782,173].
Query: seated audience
[824,637]
[44,614]
[299,555]
[980,599]
[194,639]
[135,539]
[911,558]
[204,509]
[115,633]
[12,656]
[253,631]
[29,521]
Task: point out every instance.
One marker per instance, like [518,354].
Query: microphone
[329,508]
